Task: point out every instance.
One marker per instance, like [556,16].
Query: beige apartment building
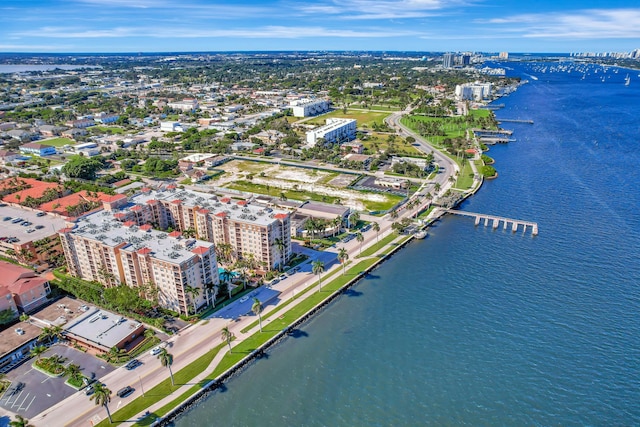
[261,233]
[178,271]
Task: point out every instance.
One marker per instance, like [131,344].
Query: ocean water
[481,327]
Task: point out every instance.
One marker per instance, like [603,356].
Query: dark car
[124,392]
[39,227]
[14,388]
[133,364]
[40,214]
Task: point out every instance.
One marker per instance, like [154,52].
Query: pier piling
[495,221]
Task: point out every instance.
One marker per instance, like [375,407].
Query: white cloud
[276,32]
[381,9]
[582,24]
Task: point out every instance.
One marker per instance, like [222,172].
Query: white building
[184,105]
[309,107]
[171,127]
[335,131]
[473,91]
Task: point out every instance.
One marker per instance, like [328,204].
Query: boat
[420,234]
[627,80]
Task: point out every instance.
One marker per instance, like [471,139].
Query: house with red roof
[28,290]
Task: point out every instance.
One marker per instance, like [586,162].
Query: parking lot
[41,391]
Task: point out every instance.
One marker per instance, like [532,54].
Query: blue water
[478,327]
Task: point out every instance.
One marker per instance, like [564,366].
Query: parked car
[6,218]
[40,214]
[39,227]
[15,388]
[155,351]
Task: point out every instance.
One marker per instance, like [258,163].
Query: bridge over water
[495,221]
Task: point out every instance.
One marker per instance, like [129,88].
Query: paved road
[448,166]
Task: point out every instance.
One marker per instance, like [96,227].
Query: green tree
[317,267]
[360,239]
[102,396]
[74,372]
[166,360]
[343,256]
[193,292]
[6,316]
[376,227]
[257,310]
[227,336]
[82,167]
[37,351]
[353,218]
[20,421]
[280,246]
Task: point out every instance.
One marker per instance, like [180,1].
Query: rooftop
[102,327]
[103,227]
[237,210]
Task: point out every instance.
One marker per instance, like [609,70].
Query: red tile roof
[221,214]
[144,251]
[280,216]
[129,223]
[225,200]
[36,191]
[175,234]
[122,183]
[176,201]
[242,203]
[203,211]
[136,208]
[65,230]
[146,227]
[115,198]
[200,250]
[152,201]
[172,187]
[59,206]
[120,215]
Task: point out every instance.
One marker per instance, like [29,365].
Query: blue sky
[228,25]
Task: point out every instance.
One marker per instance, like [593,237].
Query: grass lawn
[377,246]
[365,118]
[58,142]
[115,130]
[465,179]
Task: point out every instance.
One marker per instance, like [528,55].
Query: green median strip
[377,246]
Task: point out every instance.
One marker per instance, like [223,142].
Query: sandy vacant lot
[289,178]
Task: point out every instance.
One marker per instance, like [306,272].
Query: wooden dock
[496,220]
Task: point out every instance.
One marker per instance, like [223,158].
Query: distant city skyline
[71,26]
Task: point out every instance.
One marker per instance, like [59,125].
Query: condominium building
[309,107]
[448,60]
[166,266]
[250,231]
[473,91]
[336,130]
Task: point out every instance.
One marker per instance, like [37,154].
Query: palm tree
[317,267]
[353,218]
[336,224]
[227,336]
[49,334]
[360,239]
[20,422]
[37,351]
[376,227]
[280,245]
[212,291]
[166,360]
[257,310]
[393,214]
[102,396]
[189,232]
[194,293]
[74,371]
[437,186]
[343,256]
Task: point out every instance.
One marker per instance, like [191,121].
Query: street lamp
[141,388]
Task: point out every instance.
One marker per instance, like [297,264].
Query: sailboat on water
[627,80]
